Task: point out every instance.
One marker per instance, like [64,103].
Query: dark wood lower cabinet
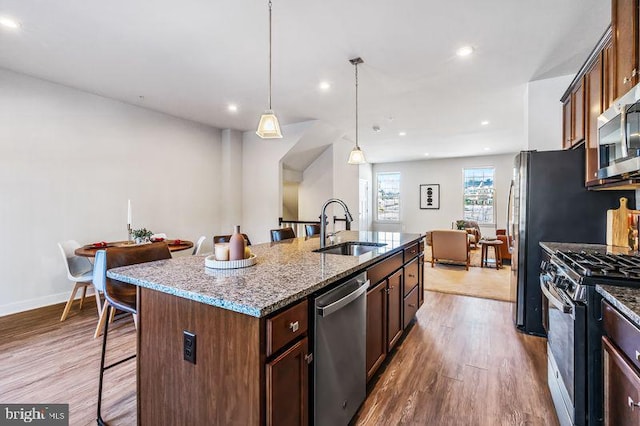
[394,308]
[287,378]
[376,327]
[410,306]
[621,388]
[421,280]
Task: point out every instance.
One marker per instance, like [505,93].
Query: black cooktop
[602,265]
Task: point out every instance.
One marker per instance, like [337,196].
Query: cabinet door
[593,82]
[577,103]
[624,20]
[394,309]
[567,124]
[621,388]
[376,327]
[287,387]
[421,280]
[608,76]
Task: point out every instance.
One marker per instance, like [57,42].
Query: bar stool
[312,229]
[123,296]
[282,234]
[485,253]
[227,238]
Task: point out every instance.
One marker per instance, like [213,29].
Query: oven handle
[562,307]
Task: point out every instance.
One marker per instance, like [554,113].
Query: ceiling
[193,58]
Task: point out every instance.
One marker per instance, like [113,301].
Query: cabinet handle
[637,356]
[633,73]
[308,358]
[294,326]
[412,276]
[411,305]
[632,404]
[626,80]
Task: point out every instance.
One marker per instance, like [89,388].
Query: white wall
[316,186]
[365,172]
[229,181]
[447,173]
[345,182]
[290,200]
[544,118]
[262,179]
[69,162]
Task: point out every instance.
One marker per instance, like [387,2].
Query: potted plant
[141,235]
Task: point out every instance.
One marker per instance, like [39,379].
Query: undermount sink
[351,248]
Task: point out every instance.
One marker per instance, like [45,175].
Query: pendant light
[356,156]
[269,127]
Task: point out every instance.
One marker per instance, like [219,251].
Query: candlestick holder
[129,237]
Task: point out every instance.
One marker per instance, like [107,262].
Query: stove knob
[561,282]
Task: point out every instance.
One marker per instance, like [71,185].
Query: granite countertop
[625,299]
[552,247]
[286,271]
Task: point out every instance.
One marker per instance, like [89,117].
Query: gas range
[573,271]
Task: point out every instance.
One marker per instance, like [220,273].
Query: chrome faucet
[323,217]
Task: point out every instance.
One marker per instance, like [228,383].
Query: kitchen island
[248,362]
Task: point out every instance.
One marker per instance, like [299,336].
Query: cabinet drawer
[622,332]
[284,327]
[410,306]
[410,276]
[411,252]
[383,269]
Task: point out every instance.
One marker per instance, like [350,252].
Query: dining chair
[227,238]
[122,296]
[79,271]
[99,282]
[198,246]
[282,234]
[312,229]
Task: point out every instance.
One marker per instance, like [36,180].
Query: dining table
[89,250]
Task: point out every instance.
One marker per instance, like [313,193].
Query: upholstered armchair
[450,245]
[501,234]
[472,228]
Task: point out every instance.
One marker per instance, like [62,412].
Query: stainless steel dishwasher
[339,367]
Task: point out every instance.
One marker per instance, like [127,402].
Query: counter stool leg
[100,421]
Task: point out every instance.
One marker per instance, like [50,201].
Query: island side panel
[223,387]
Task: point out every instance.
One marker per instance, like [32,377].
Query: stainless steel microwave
[619,137]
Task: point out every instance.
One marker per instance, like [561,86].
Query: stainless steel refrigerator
[549,202]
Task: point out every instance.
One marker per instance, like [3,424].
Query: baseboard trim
[39,302]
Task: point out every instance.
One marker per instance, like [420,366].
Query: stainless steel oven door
[561,349]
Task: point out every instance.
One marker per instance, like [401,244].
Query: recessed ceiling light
[9,23]
[464,51]
[484,123]
[376,129]
[426,154]
[402,134]
[325,85]
[232,108]
[487,148]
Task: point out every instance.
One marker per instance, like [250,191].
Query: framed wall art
[430,196]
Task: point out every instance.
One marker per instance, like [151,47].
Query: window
[478,194]
[388,196]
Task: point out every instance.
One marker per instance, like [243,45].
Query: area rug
[486,283]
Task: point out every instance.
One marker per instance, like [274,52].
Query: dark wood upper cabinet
[567,124]
[624,20]
[578,112]
[594,86]
[608,75]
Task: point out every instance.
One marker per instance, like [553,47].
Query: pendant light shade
[356,156]
[269,127]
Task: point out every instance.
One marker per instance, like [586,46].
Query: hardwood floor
[462,363]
